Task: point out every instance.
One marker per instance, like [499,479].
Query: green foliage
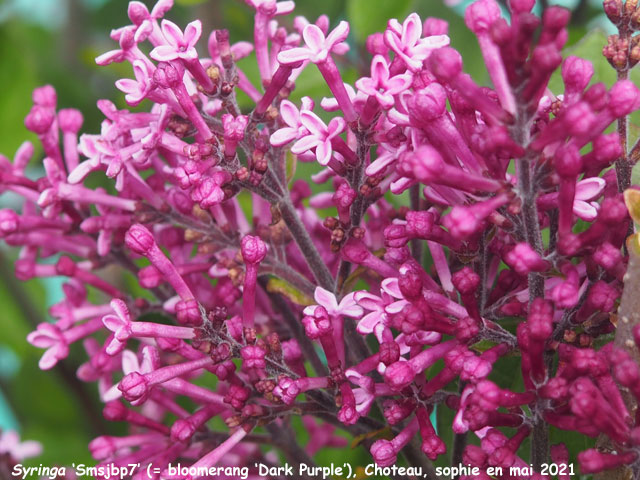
[367,17]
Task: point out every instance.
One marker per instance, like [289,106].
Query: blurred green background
[55,42]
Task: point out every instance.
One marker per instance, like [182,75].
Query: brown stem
[299,232]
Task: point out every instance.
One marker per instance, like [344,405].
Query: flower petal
[285,8]
[326,299]
[399,83]
[368,322]
[323,152]
[314,124]
[164,53]
[590,188]
[314,38]
[294,55]
[172,33]
[192,33]
[161,7]
[283,136]
[368,301]
[411,30]
[337,35]
[305,144]
[336,126]
[289,113]
[130,362]
[586,211]
[379,70]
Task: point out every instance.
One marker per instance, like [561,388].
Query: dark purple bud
[188,312]
[134,388]
[389,352]
[445,63]
[383,453]
[410,285]
[253,249]
[480,15]
[169,74]
[39,119]
[466,280]
[139,239]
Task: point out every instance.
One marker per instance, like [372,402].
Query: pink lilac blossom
[346,320]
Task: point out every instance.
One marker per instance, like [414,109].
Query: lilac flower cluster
[510,212]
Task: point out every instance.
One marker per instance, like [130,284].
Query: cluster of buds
[511,213]
[623,50]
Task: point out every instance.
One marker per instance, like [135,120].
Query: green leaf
[291,164]
[368,17]
[384,433]
[277,285]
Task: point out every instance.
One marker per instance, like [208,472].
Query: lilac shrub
[473,226]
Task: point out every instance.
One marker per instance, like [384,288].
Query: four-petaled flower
[407,42]
[380,307]
[138,89]
[119,324]
[380,85]
[10,445]
[145,21]
[347,306]
[319,136]
[291,116]
[318,46]
[179,45]
[50,337]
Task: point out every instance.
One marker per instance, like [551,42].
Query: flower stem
[299,232]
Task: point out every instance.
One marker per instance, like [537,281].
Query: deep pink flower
[319,136]
[291,117]
[318,46]
[179,45]
[381,85]
[407,42]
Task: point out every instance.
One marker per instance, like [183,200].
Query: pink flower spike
[179,45]
[380,85]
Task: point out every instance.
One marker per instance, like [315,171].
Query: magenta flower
[290,115]
[318,46]
[380,85]
[179,45]
[272,7]
[138,89]
[147,21]
[380,307]
[407,42]
[347,306]
[16,450]
[446,207]
[319,136]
